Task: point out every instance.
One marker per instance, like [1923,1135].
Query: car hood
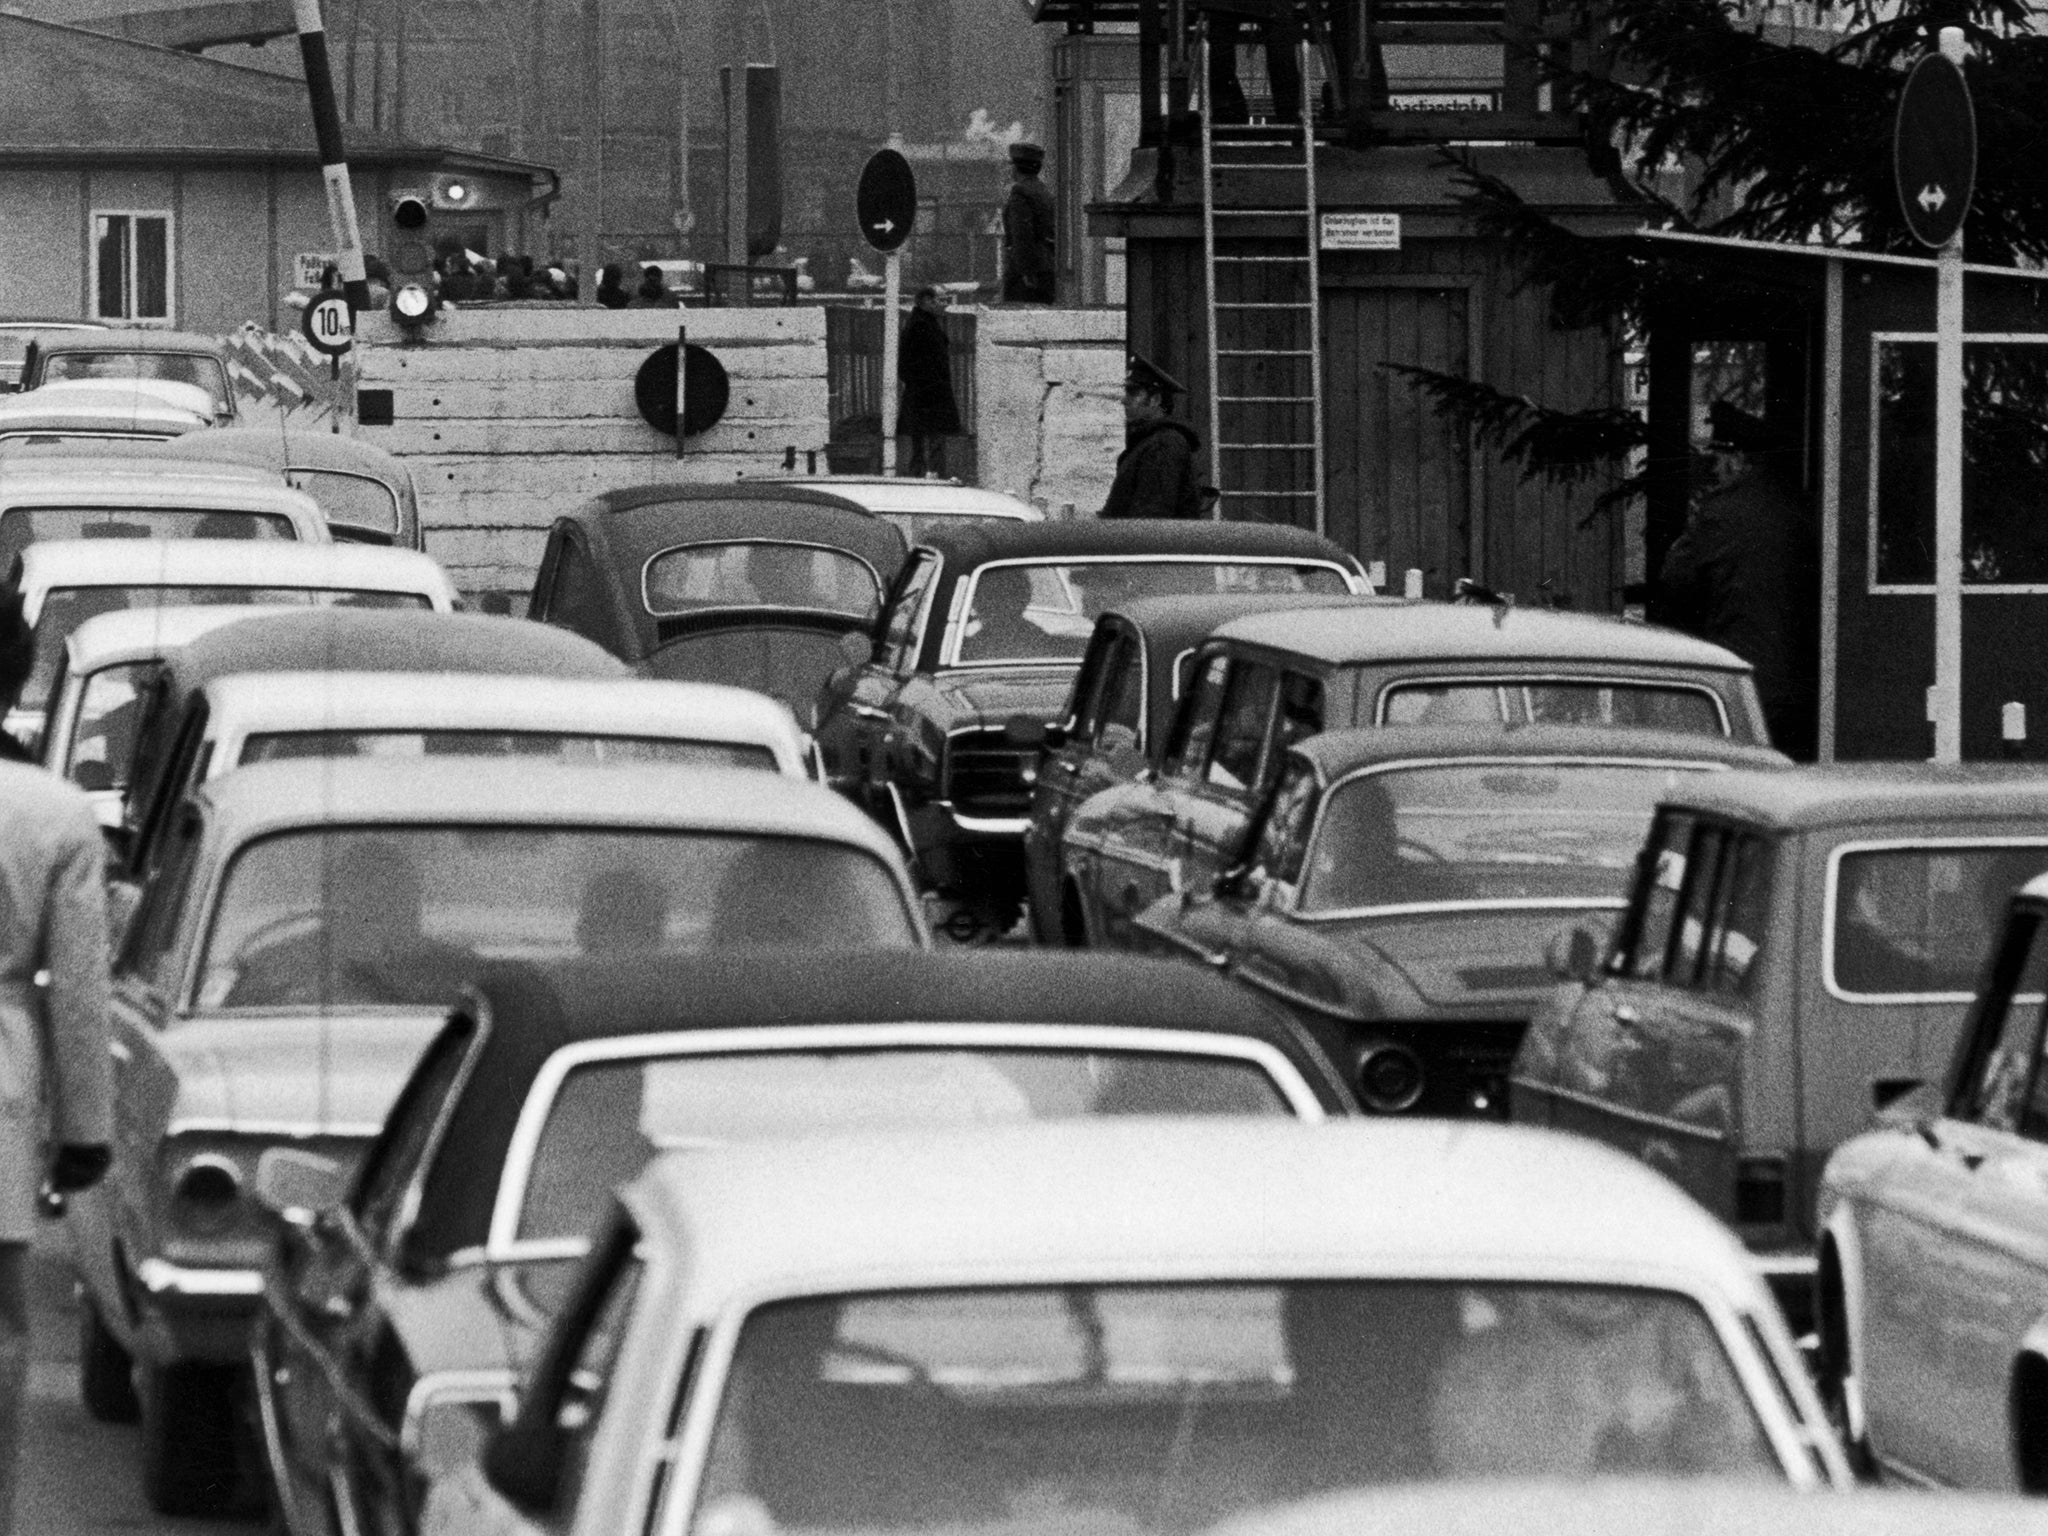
[1490,961]
[477,1317]
[993,694]
[327,1075]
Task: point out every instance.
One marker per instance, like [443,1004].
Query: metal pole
[590,148]
[1945,702]
[682,382]
[1830,508]
[892,295]
[341,198]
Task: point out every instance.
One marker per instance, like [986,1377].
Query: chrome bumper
[1786,1266]
[985,826]
[160,1277]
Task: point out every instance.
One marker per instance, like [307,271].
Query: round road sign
[328,323]
[1934,150]
[887,200]
[707,390]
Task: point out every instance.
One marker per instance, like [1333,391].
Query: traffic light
[412,252]
[414,304]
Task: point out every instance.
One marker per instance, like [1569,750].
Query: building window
[132,266]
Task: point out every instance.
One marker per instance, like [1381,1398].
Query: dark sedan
[396,1307]
[751,585]
[1400,884]
[990,623]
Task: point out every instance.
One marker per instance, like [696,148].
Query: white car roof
[925,497]
[229,563]
[1217,1199]
[144,398]
[345,701]
[200,486]
[142,634]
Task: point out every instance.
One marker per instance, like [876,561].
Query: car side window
[1082,704]
[1709,868]
[901,628]
[1660,879]
[1196,723]
[1283,838]
[1301,710]
[152,936]
[1241,727]
[1121,702]
[1741,915]
[602,1313]
[410,1131]
[2006,1054]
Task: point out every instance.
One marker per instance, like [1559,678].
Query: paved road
[78,1477]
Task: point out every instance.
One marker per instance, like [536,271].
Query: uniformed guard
[1028,231]
[1155,474]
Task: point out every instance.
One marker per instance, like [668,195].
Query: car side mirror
[1573,954]
[93,777]
[298,1187]
[857,647]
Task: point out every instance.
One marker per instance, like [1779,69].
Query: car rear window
[65,608]
[759,573]
[1175,1407]
[609,1118]
[356,500]
[178,367]
[23,526]
[1504,701]
[545,746]
[1914,922]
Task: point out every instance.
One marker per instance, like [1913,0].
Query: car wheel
[188,1437]
[106,1371]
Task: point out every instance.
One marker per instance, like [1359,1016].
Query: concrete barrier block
[379,367]
[1094,367]
[517,442]
[1038,324]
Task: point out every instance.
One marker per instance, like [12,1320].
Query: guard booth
[1286,271]
[1835,350]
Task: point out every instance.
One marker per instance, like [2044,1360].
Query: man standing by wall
[53,1041]
[929,414]
[1028,231]
[1155,474]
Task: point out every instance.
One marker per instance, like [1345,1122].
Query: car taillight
[1760,1191]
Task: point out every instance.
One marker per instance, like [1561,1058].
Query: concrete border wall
[1049,398]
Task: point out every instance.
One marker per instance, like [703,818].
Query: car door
[1954,1242]
[569,593]
[1101,745]
[1131,865]
[854,709]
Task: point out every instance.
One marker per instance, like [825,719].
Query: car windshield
[178,367]
[918,526]
[1505,701]
[545,746]
[356,500]
[1110,1409]
[758,573]
[65,608]
[405,914]
[109,714]
[1910,921]
[1486,831]
[1046,612]
[23,526]
[609,1118]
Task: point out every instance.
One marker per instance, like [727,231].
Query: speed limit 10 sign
[328,323]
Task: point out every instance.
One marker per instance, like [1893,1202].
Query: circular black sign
[1934,150]
[707,390]
[887,200]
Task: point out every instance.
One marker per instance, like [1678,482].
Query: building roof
[1873,794]
[1357,632]
[1336,753]
[69,95]
[1161,1200]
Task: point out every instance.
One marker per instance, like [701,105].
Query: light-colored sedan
[149,498]
[305,936]
[67,581]
[1146,1326]
[1933,1275]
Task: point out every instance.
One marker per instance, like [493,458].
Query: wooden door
[1398,476]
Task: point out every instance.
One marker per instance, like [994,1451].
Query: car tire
[189,1434]
[106,1371]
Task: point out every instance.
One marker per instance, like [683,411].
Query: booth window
[2005,463]
[132,266]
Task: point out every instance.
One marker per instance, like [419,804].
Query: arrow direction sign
[1934,150]
[886,202]
[1931,198]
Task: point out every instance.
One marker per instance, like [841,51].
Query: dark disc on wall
[707,390]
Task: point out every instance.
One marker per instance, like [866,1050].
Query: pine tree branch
[1565,448]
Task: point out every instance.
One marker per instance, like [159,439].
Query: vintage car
[1266,681]
[112,411]
[130,354]
[368,494]
[1799,950]
[552,1085]
[311,925]
[15,336]
[1121,707]
[752,585]
[984,632]
[1400,884]
[66,581]
[96,697]
[153,498]
[1933,1282]
[919,506]
[177,732]
[1124,1327]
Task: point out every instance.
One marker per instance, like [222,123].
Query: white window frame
[168,319]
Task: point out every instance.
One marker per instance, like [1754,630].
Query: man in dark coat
[1027,230]
[929,413]
[1155,474]
[1746,574]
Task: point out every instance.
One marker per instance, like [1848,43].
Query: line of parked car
[542,1107]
